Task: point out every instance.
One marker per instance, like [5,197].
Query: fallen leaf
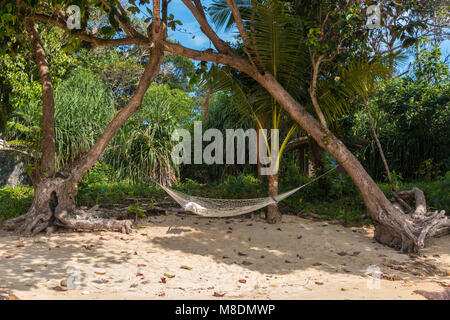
[163,280]
[104,281]
[161,294]
[101,238]
[58,288]
[145,282]
[318,283]
[135,253]
[342,253]
[100,273]
[225,257]
[442,284]
[262,257]
[218,294]
[20,246]
[143,234]
[355,253]
[13,297]
[382,255]
[63,283]
[242,281]
[123,252]
[436,256]
[242,254]
[186,267]
[169,275]
[246,263]
[299,256]
[29,270]
[141,265]
[299,237]
[139,274]
[9,257]
[317,264]
[287,261]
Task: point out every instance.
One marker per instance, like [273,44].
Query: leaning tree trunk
[54,195]
[273,214]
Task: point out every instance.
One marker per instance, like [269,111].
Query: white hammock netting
[209,207]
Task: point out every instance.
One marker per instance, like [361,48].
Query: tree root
[407,229]
[54,206]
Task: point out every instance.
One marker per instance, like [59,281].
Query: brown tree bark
[205,105]
[273,214]
[48,143]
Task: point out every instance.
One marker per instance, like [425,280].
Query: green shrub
[14,201]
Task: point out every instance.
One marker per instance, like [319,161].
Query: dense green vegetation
[342,202]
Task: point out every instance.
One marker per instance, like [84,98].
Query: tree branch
[199,15]
[95,41]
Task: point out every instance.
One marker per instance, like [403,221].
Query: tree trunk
[48,143]
[316,155]
[273,214]
[205,106]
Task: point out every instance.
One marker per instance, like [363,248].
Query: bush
[14,201]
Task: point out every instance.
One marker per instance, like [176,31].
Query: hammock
[219,208]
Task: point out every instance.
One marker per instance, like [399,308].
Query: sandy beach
[173,257]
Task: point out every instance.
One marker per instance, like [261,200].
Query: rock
[11,169]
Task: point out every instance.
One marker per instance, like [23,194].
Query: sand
[199,258]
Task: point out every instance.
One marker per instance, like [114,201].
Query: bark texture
[48,143]
[273,214]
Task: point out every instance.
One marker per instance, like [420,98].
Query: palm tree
[278,46]
[279,51]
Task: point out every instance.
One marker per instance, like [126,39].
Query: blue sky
[189,33]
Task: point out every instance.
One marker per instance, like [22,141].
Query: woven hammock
[218,208]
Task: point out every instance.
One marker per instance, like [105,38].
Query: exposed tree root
[406,229]
[54,206]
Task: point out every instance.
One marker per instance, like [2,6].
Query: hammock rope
[220,208]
